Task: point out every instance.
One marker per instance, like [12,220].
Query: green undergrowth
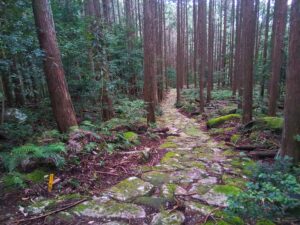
[271,194]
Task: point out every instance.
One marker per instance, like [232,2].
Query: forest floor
[190,185]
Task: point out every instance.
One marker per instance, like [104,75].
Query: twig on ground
[49,213]
[210,215]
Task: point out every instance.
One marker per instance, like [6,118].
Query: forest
[150,112]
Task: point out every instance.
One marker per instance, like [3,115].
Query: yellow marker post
[50,183]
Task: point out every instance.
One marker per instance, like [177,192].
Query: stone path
[194,177]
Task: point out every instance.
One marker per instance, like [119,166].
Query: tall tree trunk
[195,42]
[60,98]
[248,41]
[178,55]
[106,11]
[279,22]
[224,45]
[210,49]
[130,39]
[265,51]
[202,34]
[232,43]
[290,146]
[149,58]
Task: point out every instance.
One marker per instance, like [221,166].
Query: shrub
[272,193]
[29,152]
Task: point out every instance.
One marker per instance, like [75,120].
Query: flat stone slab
[115,223]
[129,188]
[196,207]
[213,198]
[208,181]
[110,209]
[166,218]
[156,178]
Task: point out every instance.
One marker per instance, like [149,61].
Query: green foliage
[272,123]
[128,113]
[274,190]
[297,137]
[28,152]
[221,94]
[220,120]
[13,180]
[130,136]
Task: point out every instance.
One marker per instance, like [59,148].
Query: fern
[28,152]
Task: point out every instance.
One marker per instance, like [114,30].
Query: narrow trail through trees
[191,182]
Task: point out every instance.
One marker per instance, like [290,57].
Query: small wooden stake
[50,183]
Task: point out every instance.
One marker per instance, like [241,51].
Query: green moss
[168,144]
[156,178]
[227,189]
[235,181]
[220,120]
[228,110]
[168,156]
[216,131]
[70,197]
[229,152]
[272,123]
[264,222]
[130,136]
[154,202]
[192,131]
[199,165]
[245,164]
[36,176]
[202,189]
[168,191]
[235,138]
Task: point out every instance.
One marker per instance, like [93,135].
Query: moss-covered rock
[156,178]
[130,136]
[266,123]
[168,144]
[215,122]
[61,218]
[168,218]
[154,202]
[130,188]
[169,156]
[245,164]
[168,191]
[231,109]
[41,206]
[234,181]
[110,209]
[227,189]
[196,207]
[192,131]
[235,138]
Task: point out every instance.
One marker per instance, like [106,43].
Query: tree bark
[279,22]
[60,98]
[202,48]
[149,58]
[223,62]
[290,146]
[195,42]
[178,55]
[211,19]
[248,41]
[265,51]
